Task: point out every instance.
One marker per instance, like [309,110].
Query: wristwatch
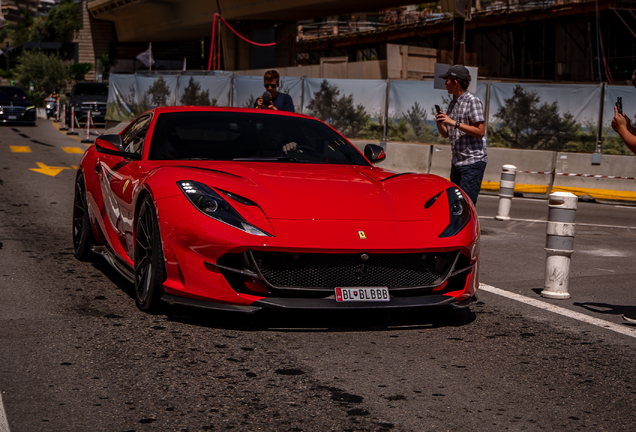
[457,123]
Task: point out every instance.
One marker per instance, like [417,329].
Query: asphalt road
[77,355]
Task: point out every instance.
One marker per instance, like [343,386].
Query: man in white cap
[464,124]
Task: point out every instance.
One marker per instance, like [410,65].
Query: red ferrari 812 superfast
[241,209]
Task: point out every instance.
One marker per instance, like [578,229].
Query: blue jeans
[468,178]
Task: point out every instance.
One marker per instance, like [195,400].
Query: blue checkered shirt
[467,149]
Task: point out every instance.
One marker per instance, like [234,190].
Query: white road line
[627,331]
[577,223]
[4,424]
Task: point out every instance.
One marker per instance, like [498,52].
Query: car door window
[136,135]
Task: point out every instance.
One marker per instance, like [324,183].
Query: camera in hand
[267,99]
[619,105]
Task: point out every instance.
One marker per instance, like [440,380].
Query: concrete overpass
[172,20]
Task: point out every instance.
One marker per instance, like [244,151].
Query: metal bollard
[559,244]
[506,191]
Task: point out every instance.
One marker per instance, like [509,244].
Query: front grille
[99,107]
[327,271]
[13,109]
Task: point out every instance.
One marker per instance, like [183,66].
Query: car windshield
[90,90]
[249,136]
[12,93]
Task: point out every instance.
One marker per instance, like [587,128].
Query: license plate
[12,117]
[362,294]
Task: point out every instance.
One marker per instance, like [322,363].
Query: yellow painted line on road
[73,150]
[75,137]
[48,170]
[20,149]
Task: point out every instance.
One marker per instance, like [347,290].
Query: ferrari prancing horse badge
[362,235]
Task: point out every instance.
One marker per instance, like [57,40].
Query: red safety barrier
[73,121]
[88,128]
[63,126]
[217,15]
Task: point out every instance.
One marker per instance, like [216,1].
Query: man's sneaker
[630,318]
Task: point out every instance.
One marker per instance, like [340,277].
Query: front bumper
[212,265]
[317,304]
[27,116]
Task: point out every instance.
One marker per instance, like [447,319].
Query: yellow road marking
[48,170]
[20,149]
[73,150]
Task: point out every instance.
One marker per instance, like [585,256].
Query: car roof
[192,108]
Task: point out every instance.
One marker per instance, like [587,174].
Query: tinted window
[249,136]
[90,90]
[14,93]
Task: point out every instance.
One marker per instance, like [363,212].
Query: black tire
[150,270]
[82,231]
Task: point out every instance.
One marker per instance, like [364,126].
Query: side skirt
[115,262]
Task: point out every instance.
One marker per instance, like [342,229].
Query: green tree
[62,20]
[193,95]
[46,71]
[338,111]
[527,124]
[78,71]
[158,93]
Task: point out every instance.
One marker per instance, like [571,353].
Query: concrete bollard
[559,244]
[506,191]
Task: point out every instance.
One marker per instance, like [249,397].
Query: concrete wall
[374,69]
[436,159]
[600,188]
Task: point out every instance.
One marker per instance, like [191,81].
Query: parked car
[242,209]
[85,97]
[15,106]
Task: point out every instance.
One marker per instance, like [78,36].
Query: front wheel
[150,270]
[82,231]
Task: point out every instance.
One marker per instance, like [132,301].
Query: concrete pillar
[559,244]
[506,191]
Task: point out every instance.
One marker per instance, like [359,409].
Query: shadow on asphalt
[314,321]
[607,309]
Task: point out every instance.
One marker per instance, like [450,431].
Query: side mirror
[113,145]
[374,153]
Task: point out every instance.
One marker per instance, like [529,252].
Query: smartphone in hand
[438,109]
[619,104]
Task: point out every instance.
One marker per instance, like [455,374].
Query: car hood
[316,192]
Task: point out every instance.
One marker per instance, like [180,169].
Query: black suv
[15,106]
[85,97]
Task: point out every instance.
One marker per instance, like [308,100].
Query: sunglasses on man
[271,85]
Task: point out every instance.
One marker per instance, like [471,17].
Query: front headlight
[459,212]
[31,107]
[211,204]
